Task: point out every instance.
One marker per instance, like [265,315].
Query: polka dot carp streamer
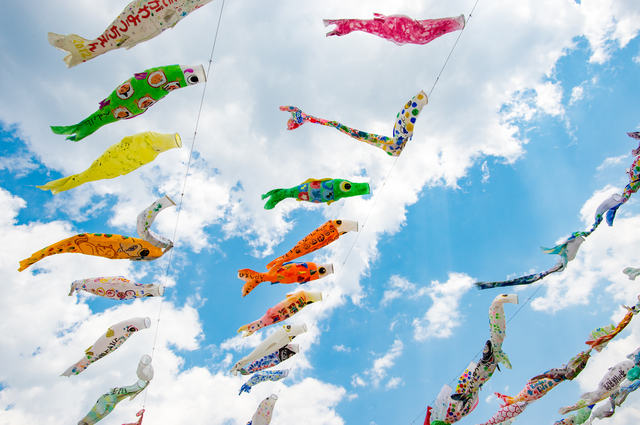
[402,129]
[133,97]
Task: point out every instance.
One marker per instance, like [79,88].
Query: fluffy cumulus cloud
[379,369]
[443,315]
[267,55]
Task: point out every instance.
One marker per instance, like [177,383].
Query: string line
[184,185]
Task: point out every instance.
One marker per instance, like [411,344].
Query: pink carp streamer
[400,29]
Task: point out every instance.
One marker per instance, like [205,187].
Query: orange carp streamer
[319,238]
[115,247]
[288,273]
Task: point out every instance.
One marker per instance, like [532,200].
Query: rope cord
[370,210]
[184,185]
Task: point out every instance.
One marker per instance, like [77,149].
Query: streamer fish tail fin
[245,329]
[501,357]
[506,400]
[297,117]
[68,129]
[73,45]
[251,278]
[275,196]
[60,185]
[336,22]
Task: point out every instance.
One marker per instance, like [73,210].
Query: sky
[523,137]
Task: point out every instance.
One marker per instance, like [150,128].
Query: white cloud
[577,93]
[399,287]
[608,162]
[342,348]
[394,382]
[379,368]
[443,315]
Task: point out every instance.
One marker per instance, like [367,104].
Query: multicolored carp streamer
[117,288]
[601,341]
[263,376]
[282,311]
[580,417]
[608,385]
[402,129]
[450,408]
[115,336]
[314,190]
[492,353]
[140,416]
[107,402]
[134,97]
[448,411]
[146,219]
[287,273]
[119,159]
[141,20]
[400,29]
[274,342]
[114,247]
[537,387]
[319,238]
[567,252]
[271,360]
[631,188]
[265,411]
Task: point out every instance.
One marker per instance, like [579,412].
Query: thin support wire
[184,185]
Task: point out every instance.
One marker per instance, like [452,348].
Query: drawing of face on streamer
[141,20]
[134,96]
[115,336]
[282,311]
[399,29]
[402,128]
[317,191]
[117,288]
[287,273]
[146,219]
[274,342]
[114,247]
[319,238]
[119,159]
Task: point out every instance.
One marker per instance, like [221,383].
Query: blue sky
[524,135]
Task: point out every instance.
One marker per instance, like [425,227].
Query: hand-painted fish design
[314,190]
[319,238]
[134,97]
[287,273]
